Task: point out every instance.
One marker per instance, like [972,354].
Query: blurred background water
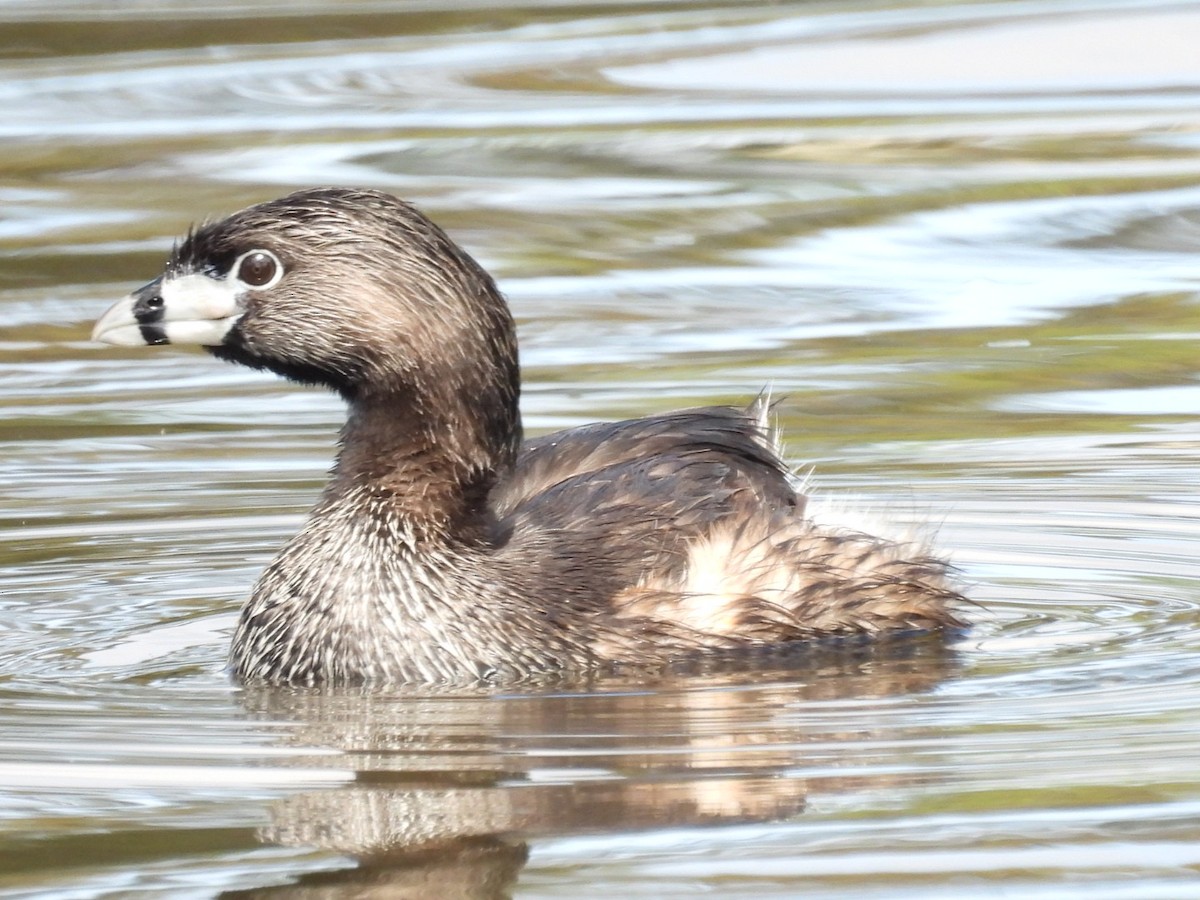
[957,238]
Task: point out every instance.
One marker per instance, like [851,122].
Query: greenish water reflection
[976,306]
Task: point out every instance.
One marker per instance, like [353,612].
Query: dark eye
[258,268]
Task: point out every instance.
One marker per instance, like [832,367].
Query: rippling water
[959,240]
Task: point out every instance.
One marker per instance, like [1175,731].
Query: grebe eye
[258,268]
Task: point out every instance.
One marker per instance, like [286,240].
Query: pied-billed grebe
[446,549]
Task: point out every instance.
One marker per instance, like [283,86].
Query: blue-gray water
[959,240]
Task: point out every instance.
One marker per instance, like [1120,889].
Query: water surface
[958,240]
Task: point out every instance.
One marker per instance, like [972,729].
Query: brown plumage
[444,548]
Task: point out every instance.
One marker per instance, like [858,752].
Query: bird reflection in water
[450,788]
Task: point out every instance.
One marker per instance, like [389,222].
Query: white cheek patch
[197,297]
[207,333]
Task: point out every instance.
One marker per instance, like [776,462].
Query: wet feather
[444,548]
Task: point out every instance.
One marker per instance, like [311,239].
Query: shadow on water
[450,788]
